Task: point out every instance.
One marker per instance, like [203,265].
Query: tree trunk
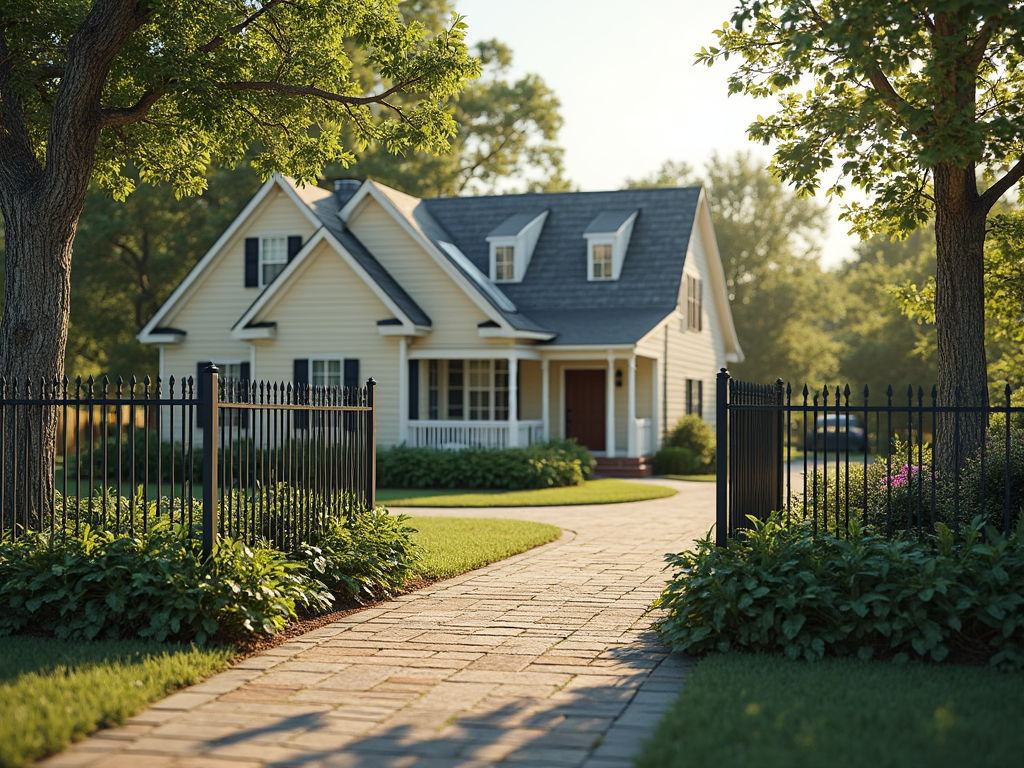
[960,314]
[33,333]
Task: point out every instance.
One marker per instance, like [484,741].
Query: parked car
[839,431]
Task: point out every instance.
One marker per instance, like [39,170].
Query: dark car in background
[840,431]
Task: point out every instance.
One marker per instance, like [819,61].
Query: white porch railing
[645,436]
[455,435]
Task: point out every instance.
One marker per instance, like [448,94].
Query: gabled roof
[608,222]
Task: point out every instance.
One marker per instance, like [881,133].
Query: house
[486,321]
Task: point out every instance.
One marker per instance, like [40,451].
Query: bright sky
[631,95]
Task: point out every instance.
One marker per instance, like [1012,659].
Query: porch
[609,405]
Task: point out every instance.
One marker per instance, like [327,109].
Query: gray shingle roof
[607,222]
[555,293]
[513,225]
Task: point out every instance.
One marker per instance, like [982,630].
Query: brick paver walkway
[544,659]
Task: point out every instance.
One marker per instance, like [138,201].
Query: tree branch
[993,193]
[312,90]
[975,56]
[118,116]
[219,40]
[14,139]
[881,84]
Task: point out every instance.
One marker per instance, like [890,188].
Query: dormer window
[601,261]
[512,243]
[504,263]
[607,239]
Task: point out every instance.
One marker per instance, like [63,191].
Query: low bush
[370,558]
[694,434]
[553,464]
[676,461]
[156,586]
[781,589]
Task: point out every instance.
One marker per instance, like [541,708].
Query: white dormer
[512,243]
[607,240]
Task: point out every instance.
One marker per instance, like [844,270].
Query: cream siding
[219,296]
[327,311]
[454,316]
[530,390]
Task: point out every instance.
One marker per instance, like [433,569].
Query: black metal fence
[253,460]
[835,459]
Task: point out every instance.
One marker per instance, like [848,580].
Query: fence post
[371,448]
[208,417]
[722,453]
[780,397]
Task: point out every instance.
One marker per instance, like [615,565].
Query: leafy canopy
[197,80]
[889,90]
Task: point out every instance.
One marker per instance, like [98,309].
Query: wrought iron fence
[835,459]
[252,460]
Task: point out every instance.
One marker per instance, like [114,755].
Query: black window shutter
[300,381]
[199,392]
[252,262]
[351,373]
[294,246]
[414,389]
[700,305]
[700,398]
[351,381]
[243,389]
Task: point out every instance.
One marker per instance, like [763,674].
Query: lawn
[746,711]
[454,545]
[694,478]
[53,692]
[606,491]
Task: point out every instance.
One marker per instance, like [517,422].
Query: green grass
[745,711]
[54,692]
[454,545]
[607,491]
[694,478]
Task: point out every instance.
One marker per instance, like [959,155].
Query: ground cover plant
[756,711]
[782,589]
[546,465]
[53,692]
[452,545]
[604,491]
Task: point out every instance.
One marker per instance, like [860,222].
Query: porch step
[642,467]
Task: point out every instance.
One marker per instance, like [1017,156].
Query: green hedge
[676,461]
[553,464]
[781,589]
[693,433]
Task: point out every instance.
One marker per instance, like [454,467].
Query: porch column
[545,396]
[631,441]
[403,390]
[513,401]
[609,416]
[655,414]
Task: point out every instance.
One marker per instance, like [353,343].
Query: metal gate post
[722,457]
[780,394]
[371,448]
[209,417]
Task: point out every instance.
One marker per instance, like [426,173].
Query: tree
[89,87]
[914,100]
[768,238]
[507,140]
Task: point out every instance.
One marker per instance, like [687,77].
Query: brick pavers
[543,660]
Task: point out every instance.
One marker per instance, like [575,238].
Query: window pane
[504,262]
[273,257]
[479,390]
[602,258]
[455,396]
[271,271]
[325,373]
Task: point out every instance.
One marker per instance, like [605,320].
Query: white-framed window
[231,417]
[694,304]
[456,387]
[601,261]
[480,387]
[325,372]
[273,257]
[504,263]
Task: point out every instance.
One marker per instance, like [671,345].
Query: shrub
[373,557]
[676,461]
[553,464]
[781,589]
[694,434]
[156,586]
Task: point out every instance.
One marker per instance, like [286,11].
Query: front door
[584,408]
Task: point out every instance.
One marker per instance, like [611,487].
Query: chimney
[344,189]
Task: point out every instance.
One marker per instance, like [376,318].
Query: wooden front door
[584,408]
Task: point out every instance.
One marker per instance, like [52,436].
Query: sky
[630,92]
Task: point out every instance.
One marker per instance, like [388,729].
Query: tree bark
[960,314]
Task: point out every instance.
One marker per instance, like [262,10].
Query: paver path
[544,659]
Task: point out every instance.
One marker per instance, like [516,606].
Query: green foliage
[744,710]
[673,460]
[53,692]
[547,465]
[694,434]
[454,545]
[607,490]
[370,557]
[155,587]
[781,589]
